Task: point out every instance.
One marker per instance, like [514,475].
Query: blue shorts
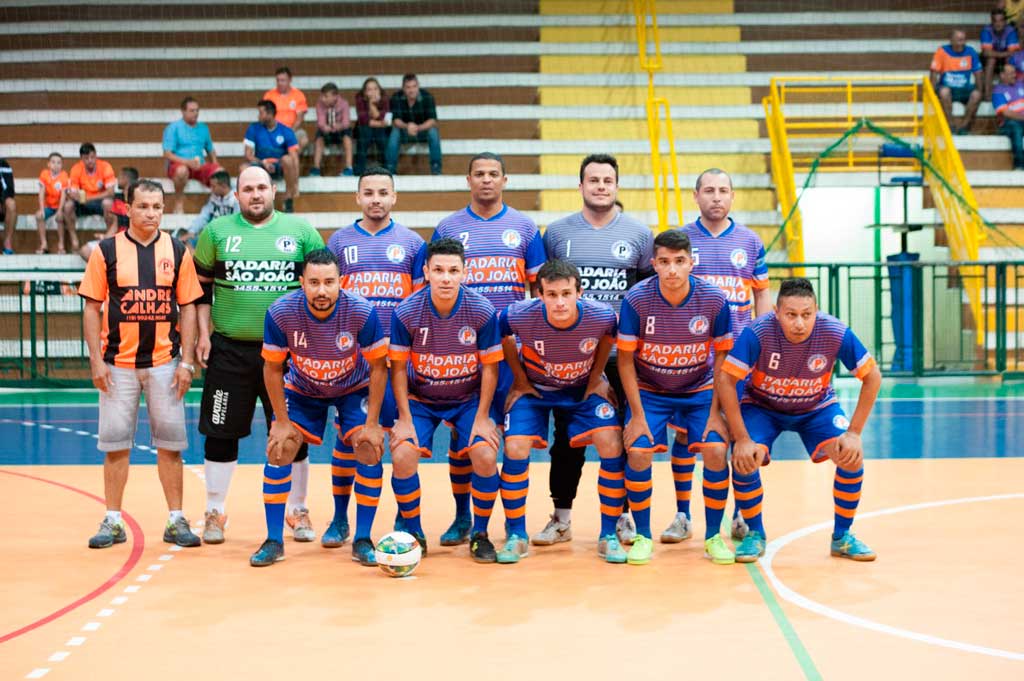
[961,94]
[427,417]
[505,379]
[816,429]
[529,416]
[688,412]
[309,414]
[740,387]
[48,213]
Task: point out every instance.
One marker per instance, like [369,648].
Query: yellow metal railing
[783,174]
[665,175]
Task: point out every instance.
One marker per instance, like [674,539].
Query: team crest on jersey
[588,345]
[345,341]
[511,238]
[279,139]
[622,250]
[467,336]
[699,325]
[57,185]
[840,422]
[817,363]
[292,104]
[395,253]
[286,244]
[364,405]
[166,265]
[99,184]
[738,258]
[604,411]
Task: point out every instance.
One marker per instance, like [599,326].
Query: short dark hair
[321,256]
[375,170]
[556,269]
[600,158]
[673,240]
[797,287]
[446,246]
[188,100]
[711,171]
[268,105]
[131,173]
[86,149]
[283,69]
[329,87]
[222,176]
[409,76]
[996,11]
[142,186]
[486,156]
[55,153]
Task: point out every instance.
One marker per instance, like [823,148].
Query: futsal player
[790,354]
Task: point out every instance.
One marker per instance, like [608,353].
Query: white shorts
[119,409]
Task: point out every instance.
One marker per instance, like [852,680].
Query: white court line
[75,641]
[801,601]
[59,656]
[37,673]
[91,626]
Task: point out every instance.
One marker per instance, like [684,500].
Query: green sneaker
[609,548]
[751,548]
[718,551]
[641,550]
[516,547]
[850,547]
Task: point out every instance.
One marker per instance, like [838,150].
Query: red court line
[138,544]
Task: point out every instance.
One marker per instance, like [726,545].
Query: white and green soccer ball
[398,554]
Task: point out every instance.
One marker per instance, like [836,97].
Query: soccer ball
[398,554]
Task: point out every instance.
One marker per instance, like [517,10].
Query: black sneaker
[481,549]
[363,553]
[110,533]
[270,552]
[180,533]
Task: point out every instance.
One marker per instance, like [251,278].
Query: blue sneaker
[314,172]
[848,546]
[609,548]
[335,535]
[515,548]
[363,552]
[400,522]
[458,532]
[347,172]
[751,548]
[269,553]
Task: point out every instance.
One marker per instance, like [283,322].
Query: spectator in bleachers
[126,178]
[1008,101]
[91,192]
[8,206]
[52,181]
[189,151]
[954,75]
[414,119]
[271,144]
[291,104]
[333,127]
[998,41]
[373,114]
[222,202]
[1013,9]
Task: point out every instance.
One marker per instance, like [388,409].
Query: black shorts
[94,207]
[331,138]
[233,381]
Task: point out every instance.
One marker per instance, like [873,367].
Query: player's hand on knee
[604,391]
[403,431]
[745,457]
[848,452]
[518,390]
[636,428]
[368,443]
[484,428]
[283,442]
[716,424]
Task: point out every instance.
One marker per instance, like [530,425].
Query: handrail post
[1001,304]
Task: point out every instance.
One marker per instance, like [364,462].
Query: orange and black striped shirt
[141,288]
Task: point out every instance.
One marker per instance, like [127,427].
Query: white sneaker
[625,530]
[554,532]
[302,526]
[739,527]
[677,531]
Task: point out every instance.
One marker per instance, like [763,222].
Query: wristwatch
[191,368]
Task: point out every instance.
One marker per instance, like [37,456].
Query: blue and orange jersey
[957,68]
[445,354]
[734,261]
[503,252]
[554,358]
[674,345]
[327,357]
[385,268]
[1008,98]
[1003,41]
[795,378]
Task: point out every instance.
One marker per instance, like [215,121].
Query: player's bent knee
[714,457]
[518,448]
[404,458]
[608,443]
[639,459]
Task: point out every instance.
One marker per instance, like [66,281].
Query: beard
[258,215]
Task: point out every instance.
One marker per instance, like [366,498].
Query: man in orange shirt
[91,192]
[291,105]
[140,324]
[53,180]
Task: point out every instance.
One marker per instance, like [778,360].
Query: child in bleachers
[52,181]
[333,127]
[222,202]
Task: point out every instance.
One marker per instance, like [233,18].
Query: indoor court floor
[942,497]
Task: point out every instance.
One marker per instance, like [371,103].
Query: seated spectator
[291,105]
[125,179]
[189,151]
[8,206]
[1008,101]
[414,119]
[53,180]
[373,113]
[272,145]
[953,75]
[333,127]
[222,202]
[998,41]
[91,192]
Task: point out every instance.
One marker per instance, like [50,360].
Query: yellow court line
[640,164]
[637,96]
[637,129]
[625,34]
[623,63]
[626,7]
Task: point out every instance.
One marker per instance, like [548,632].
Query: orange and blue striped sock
[749,494]
[515,485]
[846,495]
[484,490]
[611,489]
[460,472]
[716,493]
[369,480]
[407,494]
[277,483]
[638,489]
[343,472]
[683,462]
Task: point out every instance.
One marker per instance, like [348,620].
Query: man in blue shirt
[953,76]
[1008,103]
[189,151]
[274,147]
[998,41]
